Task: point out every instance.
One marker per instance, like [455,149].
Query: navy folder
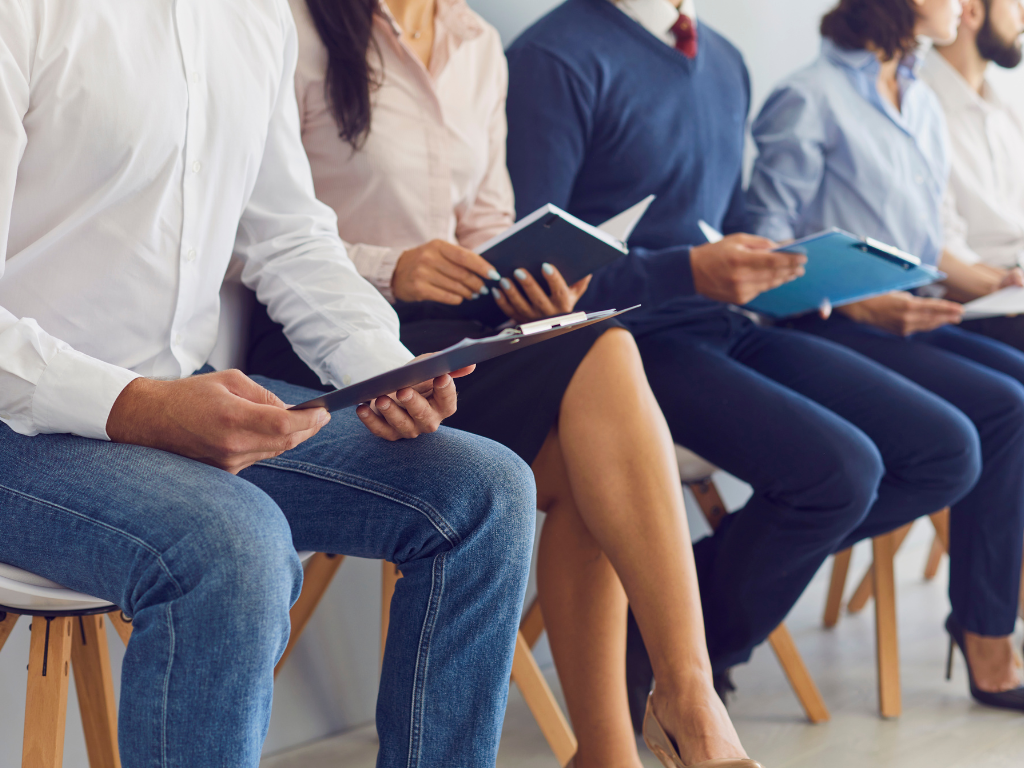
[551,235]
[466,352]
[842,269]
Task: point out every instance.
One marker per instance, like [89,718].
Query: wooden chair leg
[796,672]
[709,501]
[317,578]
[95,686]
[542,703]
[7,622]
[836,587]
[46,702]
[934,558]
[865,590]
[532,624]
[390,578]
[122,625]
[940,521]
[889,697]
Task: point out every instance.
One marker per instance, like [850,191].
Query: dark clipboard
[466,352]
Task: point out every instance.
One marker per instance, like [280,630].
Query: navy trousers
[838,448]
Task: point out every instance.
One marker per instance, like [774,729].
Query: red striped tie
[686,36]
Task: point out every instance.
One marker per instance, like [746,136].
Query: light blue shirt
[833,152]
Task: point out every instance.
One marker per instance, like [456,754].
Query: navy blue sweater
[601,114]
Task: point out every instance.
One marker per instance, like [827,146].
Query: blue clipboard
[466,352]
[842,269]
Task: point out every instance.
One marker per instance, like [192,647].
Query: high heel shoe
[1012,699]
[661,745]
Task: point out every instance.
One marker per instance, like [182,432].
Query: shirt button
[346,379]
[190,255]
[196,166]
[195,77]
[919,179]
[178,340]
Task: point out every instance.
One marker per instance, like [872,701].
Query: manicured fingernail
[484,291]
[385,405]
[497,294]
[474,296]
[520,274]
[447,382]
[363,411]
[506,283]
[547,268]
[493,275]
[407,397]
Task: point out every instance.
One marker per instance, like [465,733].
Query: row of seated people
[137,163]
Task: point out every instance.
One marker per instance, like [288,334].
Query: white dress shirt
[658,16]
[141,144]
[983,218]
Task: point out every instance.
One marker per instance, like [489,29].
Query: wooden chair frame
[879,581]
[525,672]
[62,643]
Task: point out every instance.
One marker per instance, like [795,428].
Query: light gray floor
[940,726]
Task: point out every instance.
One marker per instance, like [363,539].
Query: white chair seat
[692,468]
[26,591]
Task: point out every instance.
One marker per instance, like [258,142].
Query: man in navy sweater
[611,101]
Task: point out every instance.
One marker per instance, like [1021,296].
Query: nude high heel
[661,745]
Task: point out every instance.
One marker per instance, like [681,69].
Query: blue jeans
[205,564]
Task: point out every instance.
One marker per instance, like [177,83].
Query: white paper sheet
[1007,301]
[622,225]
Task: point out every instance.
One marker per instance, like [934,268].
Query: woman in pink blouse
[402,113]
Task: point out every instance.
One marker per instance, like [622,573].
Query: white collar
[953,89]
[657,16]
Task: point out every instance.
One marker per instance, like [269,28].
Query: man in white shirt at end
[983,214]
[141,146]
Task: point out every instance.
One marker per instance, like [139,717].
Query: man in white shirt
[983,215]
[141,145]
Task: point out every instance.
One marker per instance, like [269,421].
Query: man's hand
[224,419]
[903,313]
[740,267]
[440,271]
[413,411]
[536,303]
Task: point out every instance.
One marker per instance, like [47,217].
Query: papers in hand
[1007,301]
[621,226]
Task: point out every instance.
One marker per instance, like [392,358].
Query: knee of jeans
[957,468]
[504,497]
[236,552]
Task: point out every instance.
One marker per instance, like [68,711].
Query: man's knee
[232,551]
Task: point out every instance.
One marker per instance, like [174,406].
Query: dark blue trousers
[984,379]
[838,448]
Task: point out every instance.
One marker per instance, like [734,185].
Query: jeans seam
[370,486]
[416,713]
[167,686]
[124,534]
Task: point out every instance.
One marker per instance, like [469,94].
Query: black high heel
[1012,699]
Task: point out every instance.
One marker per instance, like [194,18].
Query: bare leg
[994,662]
[619,466]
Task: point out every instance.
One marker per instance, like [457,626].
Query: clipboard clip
[550,323]
[888,252]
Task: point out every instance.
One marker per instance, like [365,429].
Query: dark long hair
[886,24]
[346,28]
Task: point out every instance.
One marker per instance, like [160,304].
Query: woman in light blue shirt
[856,141]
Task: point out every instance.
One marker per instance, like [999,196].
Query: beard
[1006,54]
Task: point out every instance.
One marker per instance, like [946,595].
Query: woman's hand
[440,271]
[903,313]
[536,303]
[1012,278]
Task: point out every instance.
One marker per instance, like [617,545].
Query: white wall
[329,684]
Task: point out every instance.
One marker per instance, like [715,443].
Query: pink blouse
[433,165]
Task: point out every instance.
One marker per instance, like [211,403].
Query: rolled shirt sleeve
[45,385]
[338,323]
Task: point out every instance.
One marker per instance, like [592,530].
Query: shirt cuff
[364,355]
[75,394]
[377,264]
